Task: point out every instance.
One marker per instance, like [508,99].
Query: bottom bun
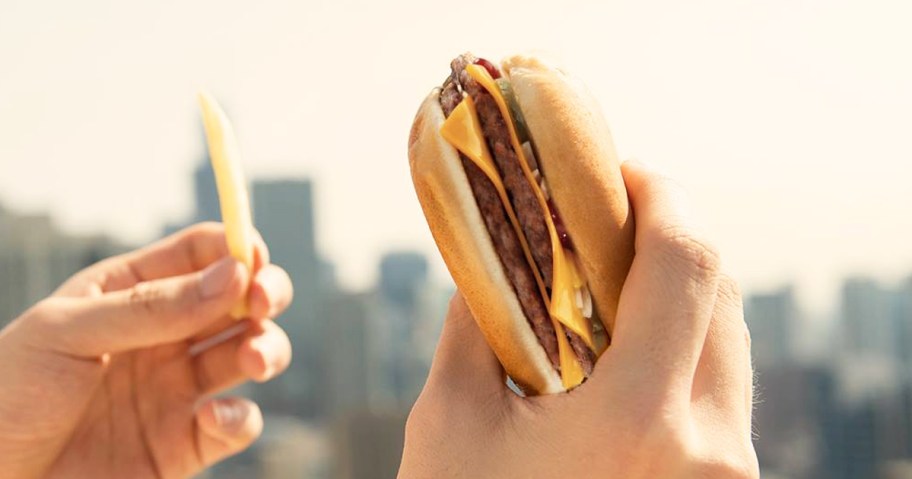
[459,231]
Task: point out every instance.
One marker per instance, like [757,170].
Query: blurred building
[869,362]
[403,275]
[284,215]
[773,322]
[404,321]
[205,196]
[368,445]
[903,312]
[868,319]
[861,439]
[36,258]
[205,193]
[793,400]
[347,353]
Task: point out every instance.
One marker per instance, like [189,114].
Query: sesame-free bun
[577,158]
[463,240]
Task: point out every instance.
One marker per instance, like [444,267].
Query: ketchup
[559,226]
[492,70]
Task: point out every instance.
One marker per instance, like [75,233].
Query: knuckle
[672,435]
[730,291]
[421,419]
[145,299]
[43,308]
[689,251]
[659,428]
[46,313]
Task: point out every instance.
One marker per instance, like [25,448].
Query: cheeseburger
[521,187]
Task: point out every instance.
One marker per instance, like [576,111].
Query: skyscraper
[349,364]
[868,319]
[904,324]
[402,276]
[368,444]
[404,322]
[36,257]
[205,195]
[205,192]
[772,320]
[284,215]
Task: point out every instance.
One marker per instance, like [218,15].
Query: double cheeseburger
[520,183]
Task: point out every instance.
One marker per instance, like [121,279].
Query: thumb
[226,426]
[464,363]
[149,313]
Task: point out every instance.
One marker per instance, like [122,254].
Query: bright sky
[788,120]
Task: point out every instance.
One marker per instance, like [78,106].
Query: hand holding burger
[671,397]
[636,322]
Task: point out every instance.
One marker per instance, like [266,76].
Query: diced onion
[544,189]
[587,301]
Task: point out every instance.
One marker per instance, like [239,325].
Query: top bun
[577,157]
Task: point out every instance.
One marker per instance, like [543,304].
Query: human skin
[102,378]
[671,398]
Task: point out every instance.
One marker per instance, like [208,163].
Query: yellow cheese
[463,130]
[572,374]
[566,277]
[232,189]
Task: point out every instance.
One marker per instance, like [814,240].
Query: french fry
[232,188]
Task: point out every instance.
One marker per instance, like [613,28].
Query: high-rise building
[772,319]
[368,444]
[36,258]
[903,319]
[868,317]
[284,215]
[206,193]
[348,360]
[403,274]
[394,318]
[787,418]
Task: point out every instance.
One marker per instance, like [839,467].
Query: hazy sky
[789,121]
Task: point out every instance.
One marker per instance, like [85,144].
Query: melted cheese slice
[566,278]
[232,189]
[463,130]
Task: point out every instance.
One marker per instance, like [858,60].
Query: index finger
[667,300]
[191,249]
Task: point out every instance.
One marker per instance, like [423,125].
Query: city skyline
[205,208]
[786,120]
[839,409]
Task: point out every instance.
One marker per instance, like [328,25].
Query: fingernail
[216,278]
[262,346]
[272,281]
[228,414]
